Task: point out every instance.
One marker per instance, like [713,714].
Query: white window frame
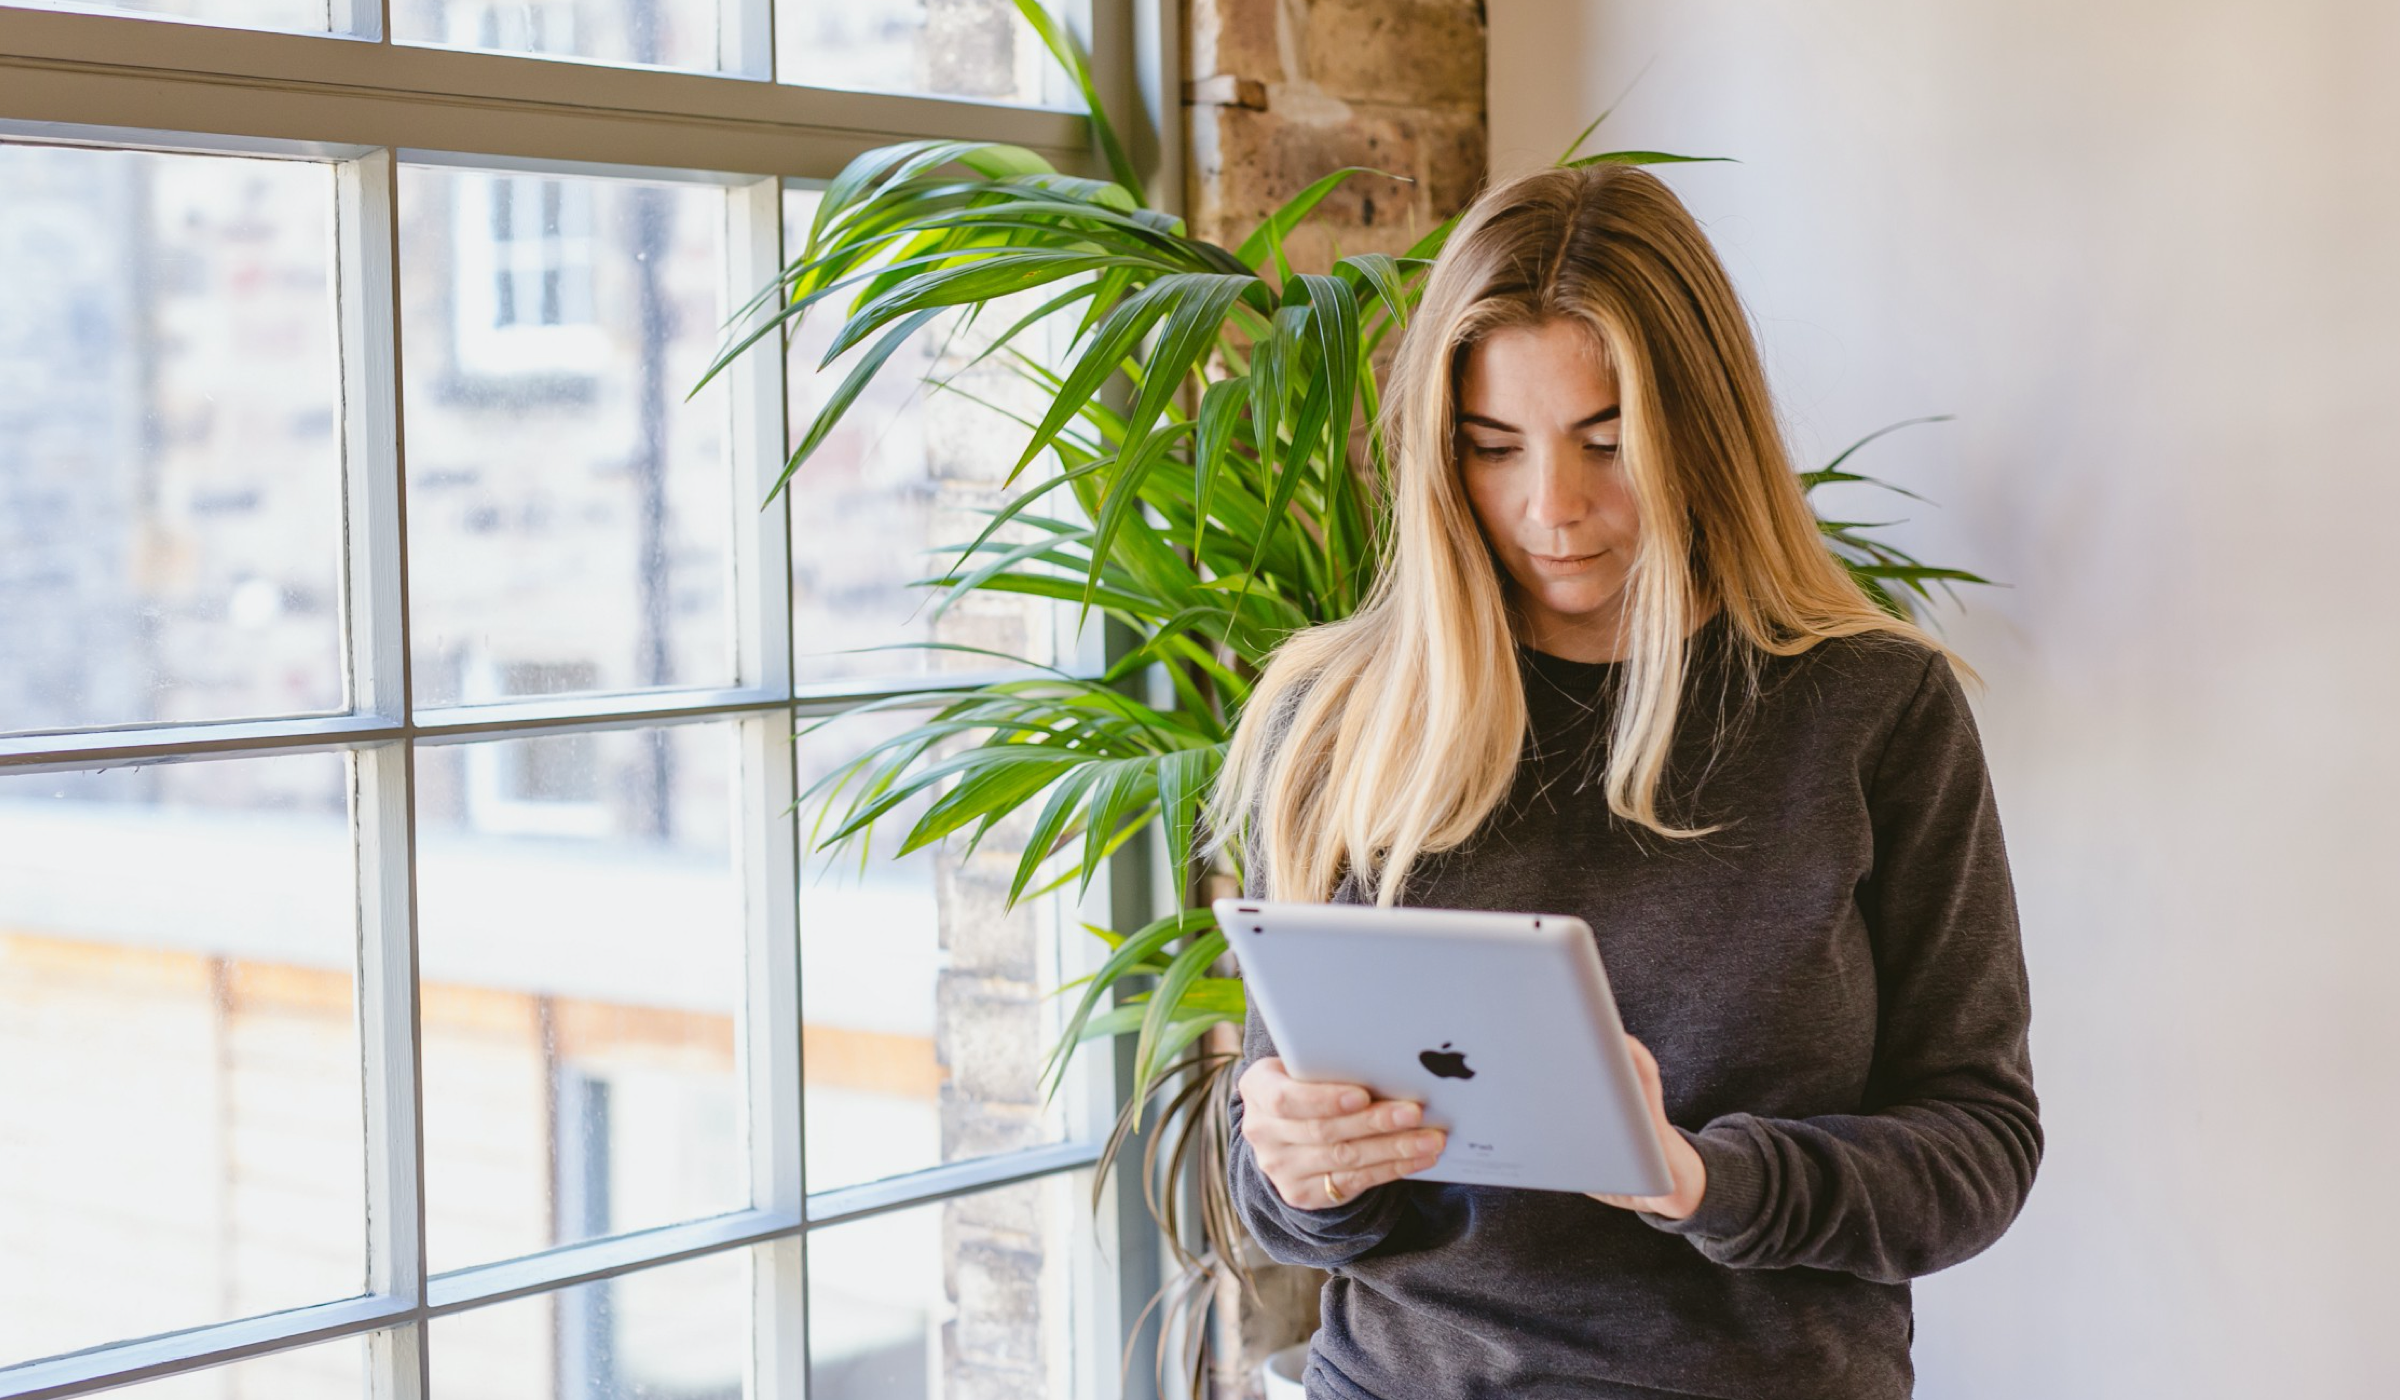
[368,105]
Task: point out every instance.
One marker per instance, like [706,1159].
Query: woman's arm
[1940,1161]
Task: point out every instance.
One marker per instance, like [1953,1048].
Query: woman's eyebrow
[1605,415]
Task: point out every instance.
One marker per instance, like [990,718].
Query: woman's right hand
[1322,1144]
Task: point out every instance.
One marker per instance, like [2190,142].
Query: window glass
[181,1130]
[911,469]
[977,49]
[654,33]
[580,947]
[304,16]
[170,461]
[971,1296]
[680,1332]
[926,1019]
[569,513]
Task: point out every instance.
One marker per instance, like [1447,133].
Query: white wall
[2148,251]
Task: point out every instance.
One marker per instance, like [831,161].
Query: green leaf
[1183,777]
[1002,561]
[893,164]
[1298,207]
[1126,785]
[1641,158]
[997,162]
[1042,842]
[1200,302]
[1334,313]
[847,393]
[1122,501]
[1270,380]
[1846,453]
[1119,331]
[1008,775]
[1130,954]
[1381,273]
[1220,410]
[981,279]
[1069,54]
[1188,967]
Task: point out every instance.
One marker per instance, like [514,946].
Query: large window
[412,981]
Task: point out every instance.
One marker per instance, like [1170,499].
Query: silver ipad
[1501,1025]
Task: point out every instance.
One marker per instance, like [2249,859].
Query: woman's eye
[1484,453]
[1608,448]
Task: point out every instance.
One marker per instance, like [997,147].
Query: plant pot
[1279,1374]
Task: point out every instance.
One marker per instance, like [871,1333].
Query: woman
[1610,670]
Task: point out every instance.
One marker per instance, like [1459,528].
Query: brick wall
[1279,92]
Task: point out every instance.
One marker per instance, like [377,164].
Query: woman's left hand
[1690,1173]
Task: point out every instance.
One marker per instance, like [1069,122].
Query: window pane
[661,33]
[170,470]
[580,942]
[681,1332]
[327,1371]
[925,1020]
[569,514]
[948,48]
[181,1138]
[910,470]
[965,1297]
[304,16]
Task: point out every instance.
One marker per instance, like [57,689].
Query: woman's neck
[1594,640]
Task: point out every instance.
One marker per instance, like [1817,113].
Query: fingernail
[1405,1115]
[1429,1144]
[1353,1100]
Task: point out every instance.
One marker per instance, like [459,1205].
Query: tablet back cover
[1500,1024]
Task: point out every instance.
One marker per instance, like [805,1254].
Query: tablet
[1501,1025]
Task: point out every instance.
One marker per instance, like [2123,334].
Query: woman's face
[1538,426]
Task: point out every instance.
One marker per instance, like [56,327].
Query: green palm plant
[1199,486]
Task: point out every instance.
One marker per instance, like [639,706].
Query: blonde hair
[1393,733]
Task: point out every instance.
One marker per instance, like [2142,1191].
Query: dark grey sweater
[1835,992]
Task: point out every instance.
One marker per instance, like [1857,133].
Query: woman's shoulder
[1865,683]
[1870,663]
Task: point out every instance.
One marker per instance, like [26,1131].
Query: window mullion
[762,568]
[770,861]
[746,38]
[388,1032]
[360,19]
[383,813]
[771,1049]
[367,305]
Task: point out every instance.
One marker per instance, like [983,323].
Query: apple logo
[1447,1063]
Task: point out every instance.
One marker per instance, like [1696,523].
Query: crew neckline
[1570,668]
[1564,665]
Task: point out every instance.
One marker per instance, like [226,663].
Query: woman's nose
[1554,498]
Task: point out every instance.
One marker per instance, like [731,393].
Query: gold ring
[1331,1195]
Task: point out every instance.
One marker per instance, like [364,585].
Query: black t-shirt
[1836,994]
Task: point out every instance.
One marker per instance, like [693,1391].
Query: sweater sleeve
[1323,1239]
[1939,1160]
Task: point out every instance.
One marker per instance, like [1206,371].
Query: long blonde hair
[1393,733]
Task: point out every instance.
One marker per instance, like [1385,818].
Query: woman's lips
[1566,564]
